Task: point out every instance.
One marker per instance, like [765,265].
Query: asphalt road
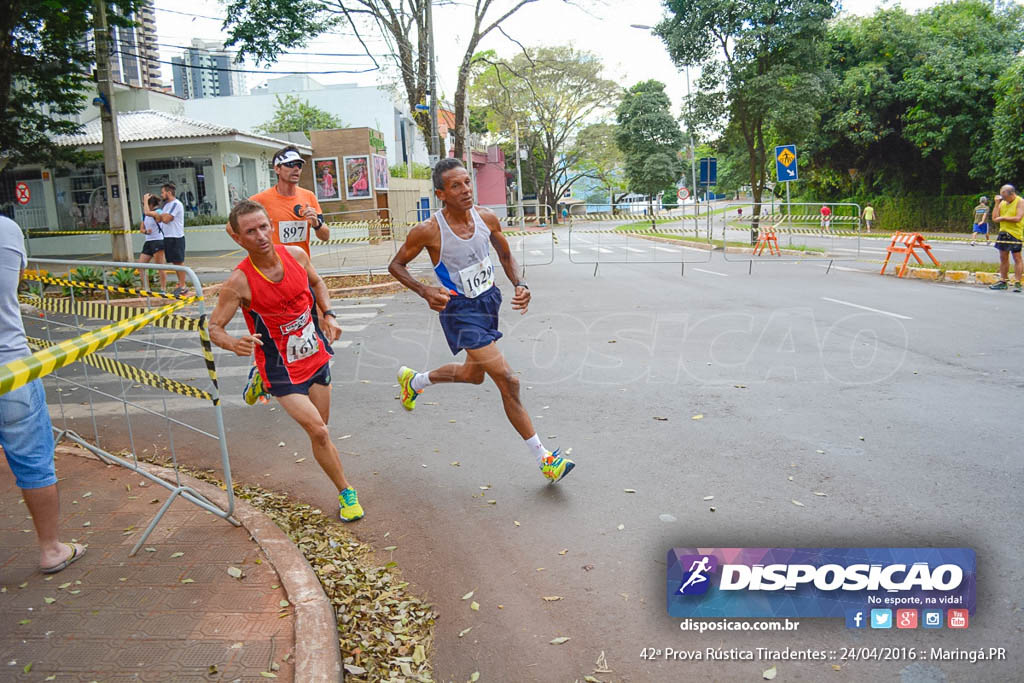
[898,399]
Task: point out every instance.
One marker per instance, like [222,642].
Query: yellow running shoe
[351,510]
[409,394]
[254,390]
[555,467]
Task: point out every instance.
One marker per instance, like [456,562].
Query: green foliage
[1006,149]
[649,138]
[669,198]
[550,91]
[760,64]
[45,74]
[123,277]
[192,221]
[421,171]
[910,109]
[293,114]
[599,157]
[950,213]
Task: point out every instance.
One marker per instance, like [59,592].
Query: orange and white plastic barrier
[907,243]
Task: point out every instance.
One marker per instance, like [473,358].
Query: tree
[45,74]
[292,114]
[601,159]
[266,29]
[551,92]
[650,139]
[765,54]
[1007,140]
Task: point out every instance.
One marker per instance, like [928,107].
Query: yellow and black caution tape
[130,372]
[18,373]
[347,240]
[108,288]
[204,340]
[61,233]
[105,311]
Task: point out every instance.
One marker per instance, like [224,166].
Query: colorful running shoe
[409,394]
[999,285]
[555,467]
[351,510]
[1017,287]
[254,390]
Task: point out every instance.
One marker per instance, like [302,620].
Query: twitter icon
[881,618]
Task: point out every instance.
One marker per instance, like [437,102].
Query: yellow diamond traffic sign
[786,157]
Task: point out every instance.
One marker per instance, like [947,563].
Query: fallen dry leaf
[235,572]
[629,490]
[660,419]
[551,598]
[475,606]
[468,595]
[465,631]
[819,493]
[563,551]
[709,497]
[697,417]
[797,503]
[559,640]
[770,673]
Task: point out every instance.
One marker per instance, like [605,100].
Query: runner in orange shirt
[293,210]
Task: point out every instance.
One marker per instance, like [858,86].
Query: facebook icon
[855,619]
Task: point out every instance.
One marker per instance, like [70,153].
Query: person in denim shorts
[26,434]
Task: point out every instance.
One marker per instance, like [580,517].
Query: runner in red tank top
[287,310]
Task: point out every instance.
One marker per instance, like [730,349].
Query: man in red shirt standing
[286,307]
[294,211]
[826,218]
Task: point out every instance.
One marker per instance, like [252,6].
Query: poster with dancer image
[380,173]
[328,187]
[357,177]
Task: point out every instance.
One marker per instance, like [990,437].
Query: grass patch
[971,266]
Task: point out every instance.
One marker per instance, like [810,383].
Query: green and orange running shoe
[555,467]
[409,394]
[254,390]
[351,510]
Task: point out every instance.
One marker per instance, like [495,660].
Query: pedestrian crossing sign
[785,163]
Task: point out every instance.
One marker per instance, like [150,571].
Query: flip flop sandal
[64,565]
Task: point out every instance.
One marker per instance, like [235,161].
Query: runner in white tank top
[458,240]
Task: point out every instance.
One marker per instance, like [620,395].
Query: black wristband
[522,284]
[331,313]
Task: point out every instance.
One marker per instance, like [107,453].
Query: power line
[188,14]
[248,71]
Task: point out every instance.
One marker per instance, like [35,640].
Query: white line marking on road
[711,272]
[342,344]
[634,250]
[675,250]
[359,305]
[605,251]
[536,252]
[866,308]
[352,328]
[962,288]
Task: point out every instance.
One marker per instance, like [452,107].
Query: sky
[600,26]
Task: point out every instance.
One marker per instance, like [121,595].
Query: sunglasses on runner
[293,164]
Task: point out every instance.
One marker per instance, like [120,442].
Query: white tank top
[465,265]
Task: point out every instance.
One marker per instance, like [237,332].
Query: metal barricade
[360,241]
[532,246]
[123,397]
[630,234]
[781,232]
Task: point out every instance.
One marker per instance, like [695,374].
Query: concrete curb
[317,652]
[382,288]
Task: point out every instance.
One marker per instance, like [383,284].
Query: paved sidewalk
[153,617]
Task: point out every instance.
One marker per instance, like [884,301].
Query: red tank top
[285,315]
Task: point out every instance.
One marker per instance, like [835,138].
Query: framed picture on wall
[357,177]
[327,179]
[380,173]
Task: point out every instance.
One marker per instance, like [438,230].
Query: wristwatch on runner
[331,313]
[522,284]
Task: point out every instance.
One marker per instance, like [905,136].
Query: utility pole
[435,140]
[693,153]
[519,184]
[113,167]
[469,148]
